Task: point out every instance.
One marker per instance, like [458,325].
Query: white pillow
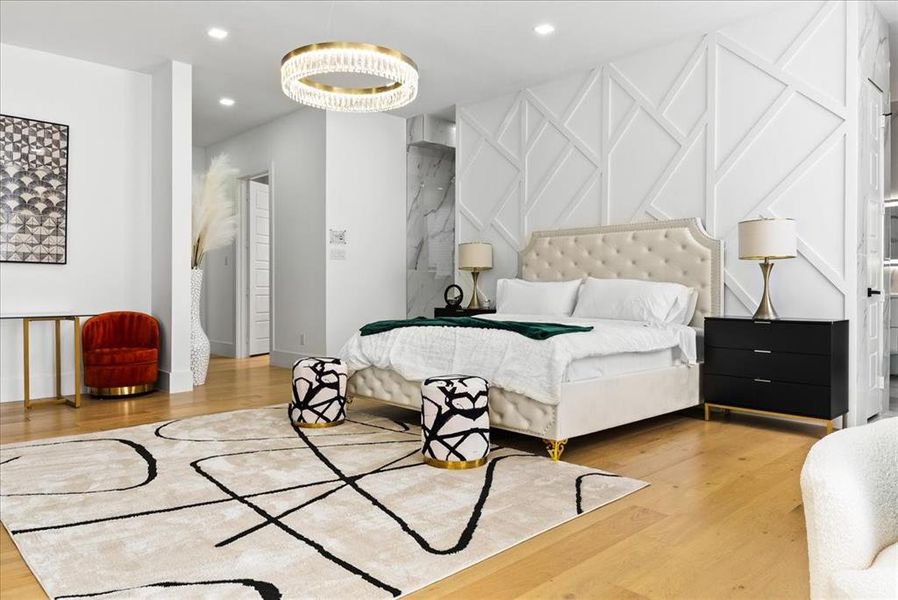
[685,316]
[521,297]
[633,300]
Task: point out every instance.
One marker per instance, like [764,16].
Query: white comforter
[534,368]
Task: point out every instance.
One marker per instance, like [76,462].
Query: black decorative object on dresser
[453,295]
[785,367]
[445,311]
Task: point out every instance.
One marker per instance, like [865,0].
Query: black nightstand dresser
[787,367]
[444,311]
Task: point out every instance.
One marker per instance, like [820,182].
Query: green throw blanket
[534,331]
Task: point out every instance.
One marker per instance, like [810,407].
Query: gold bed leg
[555,448]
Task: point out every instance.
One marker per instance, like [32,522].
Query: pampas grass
[214,208]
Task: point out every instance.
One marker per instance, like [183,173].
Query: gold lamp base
[765,310]
[475,296]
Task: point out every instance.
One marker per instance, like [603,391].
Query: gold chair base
[767,413]
[555,448]
[118,392]
[455,465]
[318,425]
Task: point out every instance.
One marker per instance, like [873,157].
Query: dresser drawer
[791,398]
[783,336]
[775,366]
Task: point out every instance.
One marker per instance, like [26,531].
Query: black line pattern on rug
[207,502]
[9,460]
[466,534]
[141,451]
[578,485]
[292,532]
[382,469]
[344,481]
[266,591]
[158,433]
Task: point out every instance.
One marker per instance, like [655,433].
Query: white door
[872,181]
[259,270]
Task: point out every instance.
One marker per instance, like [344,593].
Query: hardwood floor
[722,517]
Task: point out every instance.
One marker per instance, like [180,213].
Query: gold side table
[27,319]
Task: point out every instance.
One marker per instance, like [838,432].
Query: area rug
[241,505]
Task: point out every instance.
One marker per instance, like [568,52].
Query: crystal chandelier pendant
[301,68]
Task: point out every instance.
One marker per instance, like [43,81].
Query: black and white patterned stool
[455,421]
[319,392]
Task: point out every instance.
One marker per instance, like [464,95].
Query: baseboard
[228,349]
[281,358]
[175,382]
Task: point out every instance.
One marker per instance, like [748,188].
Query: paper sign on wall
[337,242]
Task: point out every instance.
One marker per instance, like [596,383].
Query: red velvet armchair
[121,353]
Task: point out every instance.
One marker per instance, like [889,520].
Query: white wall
[734,124]
[366,188]
[326,171]
[757,119]
[291,148]
[199,163]
[171,221]
[108,112]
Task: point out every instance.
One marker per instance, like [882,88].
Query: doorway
[873,392]
[254,268]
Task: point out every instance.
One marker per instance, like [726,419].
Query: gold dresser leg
[58,361]
[555,448]
[77,323]
[26,371]
[707,412]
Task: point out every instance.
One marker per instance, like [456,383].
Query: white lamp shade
[475,256]
[761,239]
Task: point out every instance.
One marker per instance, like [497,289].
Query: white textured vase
[199,341]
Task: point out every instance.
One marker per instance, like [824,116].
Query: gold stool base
[118,392]
[455,465]
[317,425]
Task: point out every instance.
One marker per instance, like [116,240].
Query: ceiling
[465,51]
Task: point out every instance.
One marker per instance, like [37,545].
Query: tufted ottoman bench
[319,392]
[455,421]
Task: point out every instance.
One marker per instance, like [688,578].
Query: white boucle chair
[849,485]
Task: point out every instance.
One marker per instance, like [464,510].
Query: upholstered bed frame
[680,251]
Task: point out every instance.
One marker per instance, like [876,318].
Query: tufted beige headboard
[679,250]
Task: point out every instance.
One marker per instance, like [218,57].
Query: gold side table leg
[58,360]
[707,412]
[26,370]
[77,323]
[829,427]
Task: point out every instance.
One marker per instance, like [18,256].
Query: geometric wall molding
[743,122]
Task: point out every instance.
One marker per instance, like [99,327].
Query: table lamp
[767,240]
[475,257]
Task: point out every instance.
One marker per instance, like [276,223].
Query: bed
[679,251]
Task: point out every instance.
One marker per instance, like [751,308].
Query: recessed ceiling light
[226,101]
[218,33]
[544,29]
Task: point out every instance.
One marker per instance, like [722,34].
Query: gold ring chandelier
[300,67]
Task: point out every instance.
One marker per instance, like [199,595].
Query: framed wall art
[34,173]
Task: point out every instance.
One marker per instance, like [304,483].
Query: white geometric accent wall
[744,122]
